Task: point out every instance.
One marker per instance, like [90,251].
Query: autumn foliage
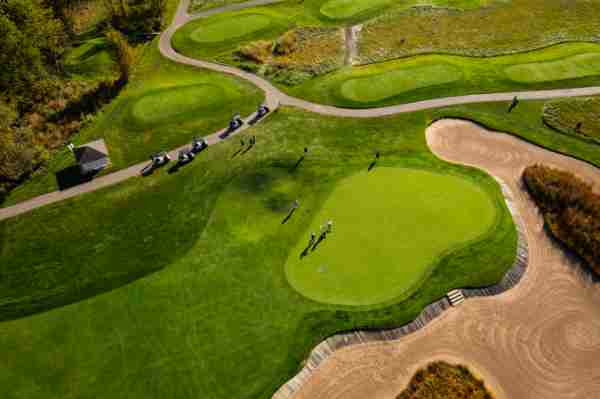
[571,210]
[441,380]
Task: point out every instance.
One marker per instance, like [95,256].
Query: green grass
[436,75]
[163,107]
[228,28]
[214,309]
[575,117]
[384,241]
[93,59]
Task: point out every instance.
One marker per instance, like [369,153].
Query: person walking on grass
[312,239]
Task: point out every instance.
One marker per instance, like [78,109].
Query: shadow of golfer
[372,165]
[289,215]
[251,146]
[297,164]
[235,154]
[322,237]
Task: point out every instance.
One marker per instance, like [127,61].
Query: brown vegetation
[259,51]
[441,380]
[574,116]
[571,210]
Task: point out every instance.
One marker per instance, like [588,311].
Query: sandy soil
[539,340]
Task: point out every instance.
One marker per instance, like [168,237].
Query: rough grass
[435,75]
[575,116]
[500,27]
[441,380]
[383,243]
[219,302]
[163,107]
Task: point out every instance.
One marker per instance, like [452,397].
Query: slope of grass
[384,243]
[575,117]
[215,309]
[435,75]
[440,380]
[93,59]
[163,107]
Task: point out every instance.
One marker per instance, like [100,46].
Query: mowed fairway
[229,28]
[437,75]
[391,226]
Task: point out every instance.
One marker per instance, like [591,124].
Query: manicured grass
[214,309]
[441,380]
[573,67]
[395,82]
[224,33]
[391,227]
[575,117]
[93,59]
[343,9]
[163,107]
[435,75]
[230,28]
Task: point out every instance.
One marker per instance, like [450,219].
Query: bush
[125,53]
[440,380]
[286,44]
[136,17]
[571,210]
[259,51]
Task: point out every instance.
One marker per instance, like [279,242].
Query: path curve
[539,340]
[273,98]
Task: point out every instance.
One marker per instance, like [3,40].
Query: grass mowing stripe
[230,28]
[578,66]
[391,227]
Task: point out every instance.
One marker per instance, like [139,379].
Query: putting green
[341,9]
[390,84]
[391,226]
[224,29]
[577,66]
[165,104]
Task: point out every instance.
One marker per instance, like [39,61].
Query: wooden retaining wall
[431,312]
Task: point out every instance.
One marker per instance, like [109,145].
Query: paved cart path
[273,98]
[539,340]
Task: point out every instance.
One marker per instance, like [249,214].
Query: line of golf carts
[198,144]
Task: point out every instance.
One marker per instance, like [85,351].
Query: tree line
[571,210]
[36,94]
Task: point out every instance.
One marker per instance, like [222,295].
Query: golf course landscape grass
[436,75]
[575,117]
[164,106]
[184,275]
[391,227]
[228,28]
[93,59]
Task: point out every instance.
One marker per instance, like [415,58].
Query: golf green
[395,82]
[390,228]
[577,66]
[223,29]
[165,104]
[341,9]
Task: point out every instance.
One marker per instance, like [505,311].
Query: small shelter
[91,157]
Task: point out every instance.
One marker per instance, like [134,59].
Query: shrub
[125,53]
[440,380]
[259,51]
[571,210]
[286,44]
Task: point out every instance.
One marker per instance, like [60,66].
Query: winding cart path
[273,98]
[538,340]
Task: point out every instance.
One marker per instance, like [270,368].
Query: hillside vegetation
[571,210]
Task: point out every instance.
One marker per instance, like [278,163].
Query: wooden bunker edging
[327,347]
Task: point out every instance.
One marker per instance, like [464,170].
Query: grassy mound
[230,28]
[435,75]
[214,300]
[94,59]
[343,9]
[441,380]
[391,227]
[390,84]
[574,116]
[170,105]
[578,66]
